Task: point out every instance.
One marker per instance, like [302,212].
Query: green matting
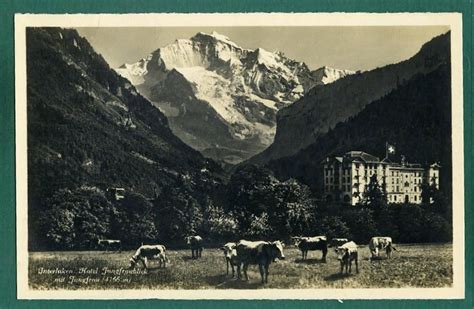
[7,152]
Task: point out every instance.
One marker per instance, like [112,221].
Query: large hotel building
[346,178]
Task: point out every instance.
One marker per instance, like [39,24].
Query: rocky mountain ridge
[222,99]
[87,125]
[322,108]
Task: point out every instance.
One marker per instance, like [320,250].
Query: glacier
[220,98]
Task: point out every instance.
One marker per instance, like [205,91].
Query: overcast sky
[353,48]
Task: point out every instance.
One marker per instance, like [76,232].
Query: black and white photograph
[294,156]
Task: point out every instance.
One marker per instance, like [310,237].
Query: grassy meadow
[420,265]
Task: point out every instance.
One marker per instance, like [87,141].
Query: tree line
[253,205]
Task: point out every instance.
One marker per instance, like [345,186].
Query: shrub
[220,226]
[334,227]
[259,227]
[178,215]
[76,218]
[134,220]
[361,224]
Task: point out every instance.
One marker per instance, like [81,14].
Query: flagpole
[386,150]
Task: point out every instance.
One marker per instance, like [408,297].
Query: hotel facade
[346,178]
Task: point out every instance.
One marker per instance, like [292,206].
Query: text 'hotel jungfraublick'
[346,178]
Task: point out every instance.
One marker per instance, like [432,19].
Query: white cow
[145,252]
[230,254]
[381,243]
[110,244]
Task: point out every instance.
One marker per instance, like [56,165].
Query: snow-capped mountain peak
[134,72]
[216,36]
[220,98]
[267,58]
[326,75]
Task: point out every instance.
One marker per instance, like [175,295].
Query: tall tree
[135,220]
[374,194]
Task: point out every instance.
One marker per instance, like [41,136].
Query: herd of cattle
[262,253]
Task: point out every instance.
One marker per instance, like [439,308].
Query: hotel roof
[364,156]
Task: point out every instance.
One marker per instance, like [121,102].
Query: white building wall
[433,175]
[401,182]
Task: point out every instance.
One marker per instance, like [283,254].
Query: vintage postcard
[239,156]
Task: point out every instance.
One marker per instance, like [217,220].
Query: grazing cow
[336,242]
[152,252]
[261,253]
[110,244]
[346,254]
[296,239]
[230,254]
[381,243]
[195,243]
[306,244]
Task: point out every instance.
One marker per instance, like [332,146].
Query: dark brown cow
[337,242]
[195,243]
[261,253]
[346,254]
[306,244]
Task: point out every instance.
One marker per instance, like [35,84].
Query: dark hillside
[88,126]
[300,124]
[416,118]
